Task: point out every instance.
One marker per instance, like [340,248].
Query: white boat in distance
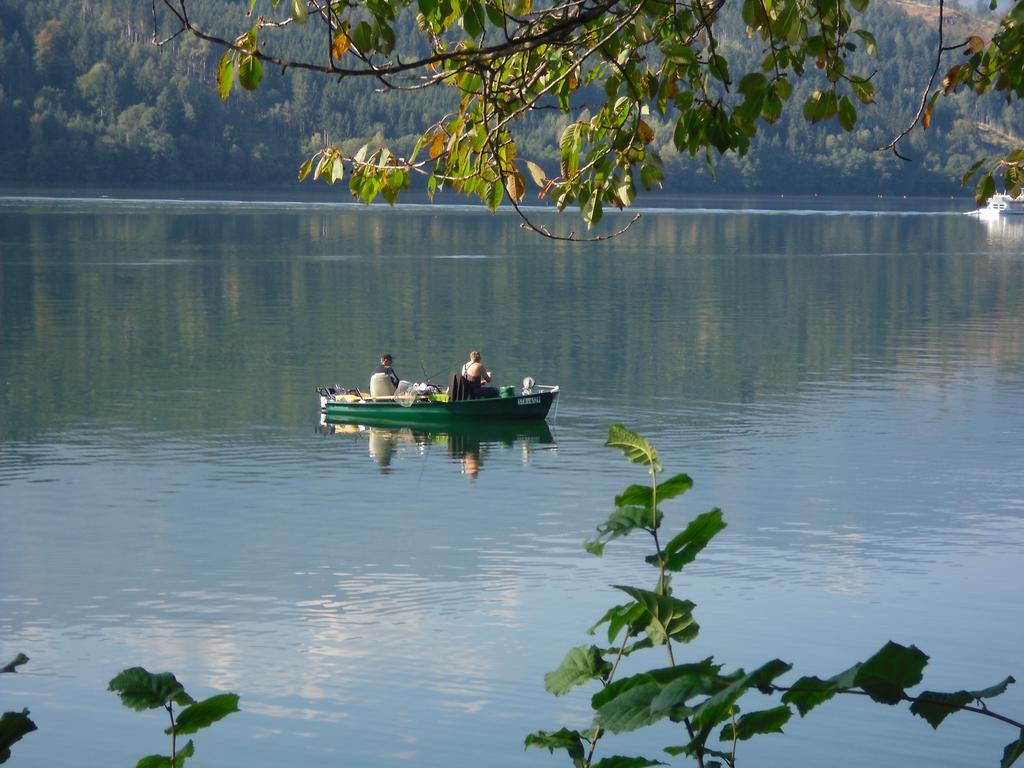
[1002,205]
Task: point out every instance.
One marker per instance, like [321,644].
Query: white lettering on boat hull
[528,401]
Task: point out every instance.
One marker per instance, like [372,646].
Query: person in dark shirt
[385,367]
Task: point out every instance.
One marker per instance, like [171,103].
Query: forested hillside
[86,100]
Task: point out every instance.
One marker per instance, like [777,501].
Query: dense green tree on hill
[86,99]
[622,73]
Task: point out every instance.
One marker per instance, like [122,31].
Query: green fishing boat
[432,407]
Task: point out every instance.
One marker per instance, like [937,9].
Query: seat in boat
[459,388]
[381,386]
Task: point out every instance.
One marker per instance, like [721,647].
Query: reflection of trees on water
[207,314]
[468,446]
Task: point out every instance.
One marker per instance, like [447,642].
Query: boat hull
[532,407]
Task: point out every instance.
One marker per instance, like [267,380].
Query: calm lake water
[846,383]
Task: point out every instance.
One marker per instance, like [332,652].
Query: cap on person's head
[386,356]
[474,353]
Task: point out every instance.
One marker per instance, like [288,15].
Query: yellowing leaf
[645,132]
[926,118]
[536,173]
[437,145]
[975,43]
[949,81]
[340,43]
[337,169]
[321,165]
[515,185]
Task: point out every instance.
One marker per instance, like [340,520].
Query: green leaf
[684,547]
[622,522]
[594,547]
[570,143]
[362,37]
[886,675]
[720,706]
[635,496]
[631,648]
[771,108]
[870,46]
[650,176]
[185,752]
[690,750]
[1013,750]
[592,211]
[618,761]
[626,191]
[754,723]
[13,725]
[494,195]
[250,72]
[385,39]
[494,14]
[473,19]
[701,679]
[140,689]
[205,713]
[985,189]
[863,90]
[936,707]
[226,74]
[633,447]
[640,700]
[783,88]
[300,13]
[859,5]
[625,705]
[679,53]
[847,114]
[818,105]
[305,168]
[565,739]
[808,692]
[719,68]
[668,617]
[787,25]
[580,665]
[619,616]
[16,662]
[642,495]
[752,83]
[163,761]
[971,171]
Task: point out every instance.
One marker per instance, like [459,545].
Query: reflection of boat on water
[467,443]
